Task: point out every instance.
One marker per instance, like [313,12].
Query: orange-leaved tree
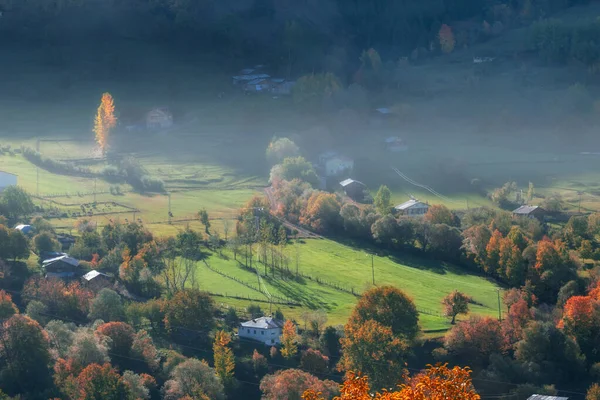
[456,303]
[289,348]
[105,121]
[436,383]
[446,38]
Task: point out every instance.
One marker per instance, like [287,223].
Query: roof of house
[383,110]
[526,210]
[247,71]
[408,204]
[23,228]
[93,274]
[278,80]
[160,110]
[340,158]
[8,173]
[256,81]
[349,181]
[60,274]
[544,397]
[66,259]
[263,323]
[250,77]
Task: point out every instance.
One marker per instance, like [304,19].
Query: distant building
[24,229]
[354,189]
[530,212]
[544,397]
[159,118]
[264,329]
[7,179]
[63,267]
[96,281]
[337,165]
[412,208]
[323,157]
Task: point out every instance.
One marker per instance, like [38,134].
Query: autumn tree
[456,303]
[322,212]
[593,393]
[440,214]
[24,351]
[223,357]
[259,363]
[446,38]
[289,347]
[290,384]
[383,200]
[581,320]
[313,89]
[474,340]
[68,301]
[554,268]
[7,307]
[314,362]
[107,306]
[97,382]
[105,121]
[190,310]
[475,240]
[390,307]
[372,348]
[120,334]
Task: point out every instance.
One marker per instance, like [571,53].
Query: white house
[7,179]
[337,165]
[263,329]
[412,208]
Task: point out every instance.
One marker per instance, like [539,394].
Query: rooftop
[525,210]
[383,110]
[257,81]
[8,173]
[93,274]
[544,397]
[263,323]
[408,204]
[250,77]
[66,259]
[349,181]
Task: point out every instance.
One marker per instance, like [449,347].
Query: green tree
[330,342]
[107,306]
[25,353]
[312,89]
[203,216]
[456,303]
[15,202]
[281,148]
[191,310]
[45,242]
[294,168]
[530,192]
[193,378]
[382,200]
[19,245]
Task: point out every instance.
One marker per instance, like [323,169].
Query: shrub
[111,173]
[152,184]
[53,165]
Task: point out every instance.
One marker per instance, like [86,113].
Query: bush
[552,40]
[53,165]
[152,184]
[111,173]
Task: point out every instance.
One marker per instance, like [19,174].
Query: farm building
[530,212]
[354,189]
[159,118]
[24,229]
[7,179]
[96,281]
[61,267]
[264,329]
[258,85]
[337,165]
[412,208]
[395,144]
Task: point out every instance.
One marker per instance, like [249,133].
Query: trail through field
[407,179]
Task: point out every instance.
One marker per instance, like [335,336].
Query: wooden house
[62,267]
[412,208]
[536,212]
[96,281]
[159,118]
[354,189]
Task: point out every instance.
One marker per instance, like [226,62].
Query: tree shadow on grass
[296,292]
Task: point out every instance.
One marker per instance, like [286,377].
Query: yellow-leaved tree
[223,356]
[105,121]
[289,348]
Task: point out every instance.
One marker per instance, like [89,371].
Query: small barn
[159,118]
[63,267]
[24,229]
[354,189]
[282,87]
[7,179]
[96,281]
[536,212]
[245,78]
[412,208]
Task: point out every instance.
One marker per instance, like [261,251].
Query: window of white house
[255,331]
[262,332]
[248,330]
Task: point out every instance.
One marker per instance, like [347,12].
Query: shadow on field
[302,295]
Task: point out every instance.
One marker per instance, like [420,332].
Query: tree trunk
[453,319]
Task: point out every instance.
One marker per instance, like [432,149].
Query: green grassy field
[427,282]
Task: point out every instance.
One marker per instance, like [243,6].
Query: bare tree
[226,227]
